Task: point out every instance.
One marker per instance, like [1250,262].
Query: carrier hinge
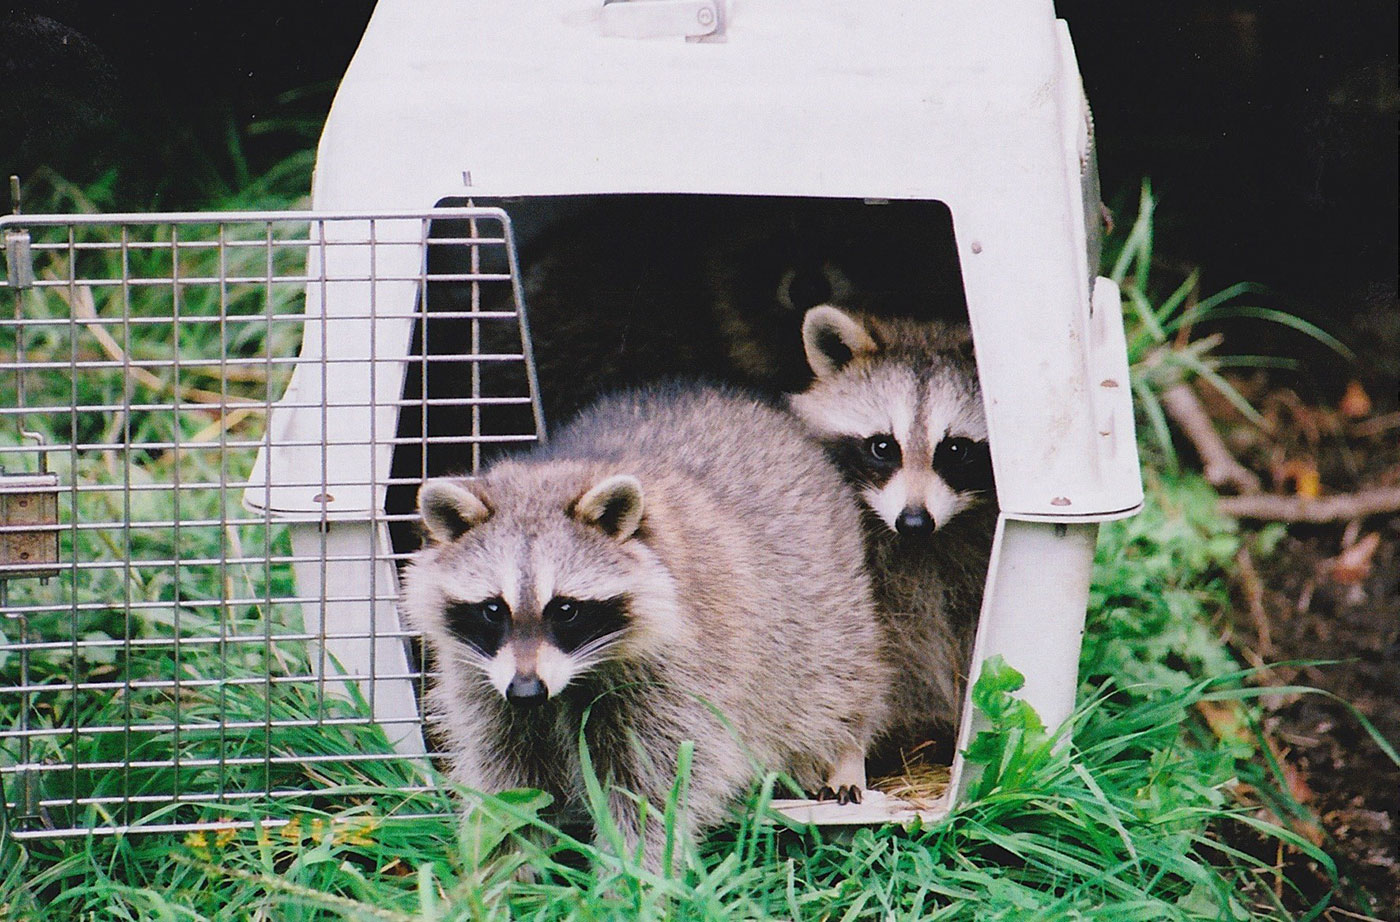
[19,272]
[28,525]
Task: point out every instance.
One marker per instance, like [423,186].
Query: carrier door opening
[623,290]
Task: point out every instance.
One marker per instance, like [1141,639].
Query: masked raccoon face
[530,589]
[533,652]
[905,425]
[911,499]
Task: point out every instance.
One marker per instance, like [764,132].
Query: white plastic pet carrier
[460,131]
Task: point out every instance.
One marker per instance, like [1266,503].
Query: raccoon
[627,290]
[652,288]
[895,259]
[899,407]
[678,563]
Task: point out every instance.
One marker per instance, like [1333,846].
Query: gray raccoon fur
[908,391]
[720,553]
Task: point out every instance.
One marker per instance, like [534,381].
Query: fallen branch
[1253,587]
[1376,425]
[80,301]
[1342,508]
[1218,465]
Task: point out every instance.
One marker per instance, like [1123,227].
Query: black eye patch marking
[872,460]
[481,625]
[882,450]
[964,464]
[574,623]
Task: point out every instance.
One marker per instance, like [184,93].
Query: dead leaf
[1355,403]
[1226,720]
[1297,784]
[1353,564]
[1303,475]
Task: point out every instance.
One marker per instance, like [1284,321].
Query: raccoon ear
[614,505]
[961,336]
[832,338]
[450,508]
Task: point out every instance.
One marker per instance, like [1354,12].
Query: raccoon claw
[845,794]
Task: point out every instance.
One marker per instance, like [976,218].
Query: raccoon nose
[914,522]
[526,690]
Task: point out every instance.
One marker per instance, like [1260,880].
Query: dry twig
[1220,467]
[1376,425]
[1253,588]
[80,301]
[1315,510]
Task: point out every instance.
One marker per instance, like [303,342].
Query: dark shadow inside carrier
[621,290]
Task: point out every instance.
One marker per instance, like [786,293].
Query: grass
[1123,824]
[170,642]
[1137,817]
[1163,348]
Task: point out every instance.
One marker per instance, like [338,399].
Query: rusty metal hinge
[28,525]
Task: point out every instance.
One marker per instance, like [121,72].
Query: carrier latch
[28,525]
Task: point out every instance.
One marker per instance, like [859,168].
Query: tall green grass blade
[1247,694]
[1225,388]
[1293,321]
[1137,249]
[1175,300]
[1254,361]
[1205,308]
[1151,406]
[675,805]
[1148,331]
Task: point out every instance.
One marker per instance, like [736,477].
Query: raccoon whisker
[595,652]
[469,656]
[596,647]
[475,665]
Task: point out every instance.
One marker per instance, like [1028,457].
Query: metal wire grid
[181,646]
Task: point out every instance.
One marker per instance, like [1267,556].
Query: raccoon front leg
[647,836]
[489,770]
[846,782]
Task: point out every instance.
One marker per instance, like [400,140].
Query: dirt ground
[1332,592]
[1342,774]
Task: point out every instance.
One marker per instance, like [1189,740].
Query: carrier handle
[691,19]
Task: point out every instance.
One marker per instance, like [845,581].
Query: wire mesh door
[202,418]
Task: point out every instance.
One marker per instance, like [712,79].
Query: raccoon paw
[847,778]
[845,794]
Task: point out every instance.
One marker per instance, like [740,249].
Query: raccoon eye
[480,625]
[957,451]
[883,449]
[964,464]
[492,611]
[592,624]
[563,611]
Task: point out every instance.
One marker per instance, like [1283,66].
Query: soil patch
[1333,593]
